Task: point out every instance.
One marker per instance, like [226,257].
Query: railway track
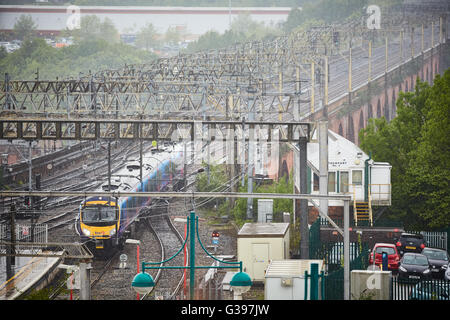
[169,282]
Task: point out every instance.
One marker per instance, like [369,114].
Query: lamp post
[143,282]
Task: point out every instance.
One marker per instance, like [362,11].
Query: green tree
[146,38]
[416,144]
[429,171]
[24,28]
[172,35]
[71,61]
[214,181]
[93,28]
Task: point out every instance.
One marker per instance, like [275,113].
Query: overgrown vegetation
[218,181]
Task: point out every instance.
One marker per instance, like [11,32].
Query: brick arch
[379,109]
[361,121]
[386,108]
[350,129]
[394,105]
[369,111]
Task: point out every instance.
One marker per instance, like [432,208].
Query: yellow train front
[104,223]
[99,224]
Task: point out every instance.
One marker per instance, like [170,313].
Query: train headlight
[112,232]
[86,232]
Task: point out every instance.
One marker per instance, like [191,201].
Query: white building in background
[350,172]
[50,20]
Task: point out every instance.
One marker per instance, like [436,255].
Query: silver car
[447,273]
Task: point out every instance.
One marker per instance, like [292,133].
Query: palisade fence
[23,234]
[333,255]
[434,239]
[408,289]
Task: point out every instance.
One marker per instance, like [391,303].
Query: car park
[438,260]
[414,266]
[430,290]
[392,254]
[410,242]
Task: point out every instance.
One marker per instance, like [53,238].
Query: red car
[391,250]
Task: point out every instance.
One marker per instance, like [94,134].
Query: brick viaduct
[350,113]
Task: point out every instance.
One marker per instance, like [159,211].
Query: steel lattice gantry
[159,130]
[260,76]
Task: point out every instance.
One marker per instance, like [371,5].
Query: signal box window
[357,177]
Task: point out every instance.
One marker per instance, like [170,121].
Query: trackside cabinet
[285,279]
[259,243]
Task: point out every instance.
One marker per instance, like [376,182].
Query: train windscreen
[96,214]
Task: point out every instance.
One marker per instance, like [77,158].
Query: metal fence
[434,239]
[406,289]
[333,256]
[23,232]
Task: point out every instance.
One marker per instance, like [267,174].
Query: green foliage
[243,29]
[217,181]
[80,58]
[24,28]
[146,38]
[330,11]
[92,28]
[416,144]
[283,185]
[429,169]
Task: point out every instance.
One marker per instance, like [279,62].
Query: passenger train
[104,223]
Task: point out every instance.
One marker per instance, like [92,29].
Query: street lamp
[143,283]
[240,282]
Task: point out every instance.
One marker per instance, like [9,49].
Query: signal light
[215,234]
[398,244]
[422,246]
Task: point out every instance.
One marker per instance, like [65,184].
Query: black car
[414,266]
[438,260]
[410,242]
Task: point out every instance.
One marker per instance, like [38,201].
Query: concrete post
[85,280]
[304,230]
[323,164]
[346,250]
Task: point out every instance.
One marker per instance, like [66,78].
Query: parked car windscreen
[435,255]
[415,260]
[388,250]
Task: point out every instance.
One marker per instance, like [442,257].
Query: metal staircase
[362,210]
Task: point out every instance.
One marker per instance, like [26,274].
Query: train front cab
[99,225]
